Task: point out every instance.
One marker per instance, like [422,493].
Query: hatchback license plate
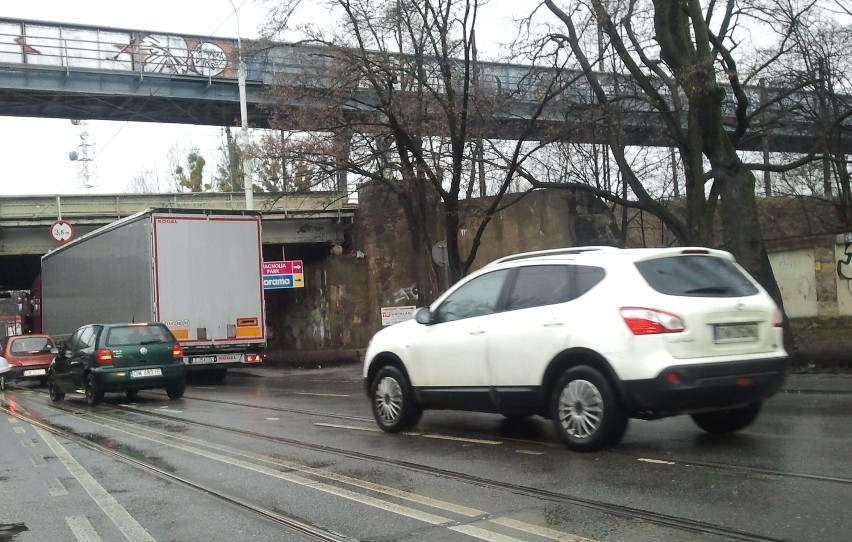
[146,372]
[35,372]
[734,333]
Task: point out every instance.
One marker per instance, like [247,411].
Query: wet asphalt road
[301,445]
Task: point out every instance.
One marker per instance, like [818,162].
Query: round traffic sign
[61,231]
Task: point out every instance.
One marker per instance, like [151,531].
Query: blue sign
[271,282]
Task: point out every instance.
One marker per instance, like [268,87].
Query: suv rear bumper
[704,387]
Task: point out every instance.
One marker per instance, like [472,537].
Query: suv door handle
[554,324]
[477,332]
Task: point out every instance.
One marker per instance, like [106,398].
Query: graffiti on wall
[843,255]
[406,294]
[106,49]
[844,265]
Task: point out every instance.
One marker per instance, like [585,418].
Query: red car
[28,356]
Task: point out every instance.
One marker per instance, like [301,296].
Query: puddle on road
[124,449]
[9,530]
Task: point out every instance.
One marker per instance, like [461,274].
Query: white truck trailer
[197,271]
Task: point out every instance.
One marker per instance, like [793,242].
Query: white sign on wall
[395,315]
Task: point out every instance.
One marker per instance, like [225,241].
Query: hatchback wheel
[93,394]
[131,394]
[585,411]
[3,382]
[56,394]
[727,421]
[176,391]
[394,407]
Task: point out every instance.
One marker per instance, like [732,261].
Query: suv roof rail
[555,252]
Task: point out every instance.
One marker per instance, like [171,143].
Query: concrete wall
[794,271]
[340,306]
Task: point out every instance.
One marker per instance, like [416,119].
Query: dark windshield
[124,336]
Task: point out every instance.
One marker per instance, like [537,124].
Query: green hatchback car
[100,358]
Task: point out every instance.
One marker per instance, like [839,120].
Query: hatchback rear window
[123,336]
[696,275]
[31,345]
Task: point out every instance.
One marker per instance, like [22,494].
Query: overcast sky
[35,152]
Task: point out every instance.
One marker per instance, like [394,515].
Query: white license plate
[35,372]
[145,372]
[203,359]
[734,333]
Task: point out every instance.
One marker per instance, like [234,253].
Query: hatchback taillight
[177,351]
[103,356]
[650,321]
[778,320]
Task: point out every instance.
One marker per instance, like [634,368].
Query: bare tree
[405,107]
[145,182]
[684,69]
[818,60]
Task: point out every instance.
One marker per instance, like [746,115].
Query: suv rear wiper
[709,290]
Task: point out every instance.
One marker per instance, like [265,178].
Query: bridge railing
[48,208]
[73,47]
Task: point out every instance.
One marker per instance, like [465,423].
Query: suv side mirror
[423,315]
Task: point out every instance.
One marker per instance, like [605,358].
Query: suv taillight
[177,351]
[103,356]
[650,321]
[778,320]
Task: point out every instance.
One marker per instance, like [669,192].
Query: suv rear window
[696,275]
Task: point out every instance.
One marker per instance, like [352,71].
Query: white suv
[588,337]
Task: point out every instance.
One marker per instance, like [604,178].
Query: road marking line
[13,420]
[168,439]
[82,529]
[410,433]
[19,430]
[38,460]
[528,452]
[132,530]
[540,531]
[55,487]
[273,419]
[657,461]
[29,443]
[353,427]
[462,439]
[321,394]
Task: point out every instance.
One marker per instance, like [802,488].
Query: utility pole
[243,137]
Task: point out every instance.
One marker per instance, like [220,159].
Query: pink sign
[289,267]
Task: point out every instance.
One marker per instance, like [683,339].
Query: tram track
[294,524]
[657,518]
[716,466]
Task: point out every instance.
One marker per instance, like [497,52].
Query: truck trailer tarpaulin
[197,271]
